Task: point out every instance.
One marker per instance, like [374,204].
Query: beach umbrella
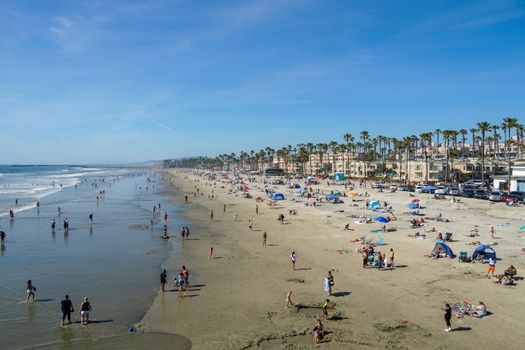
[382,219]
[522,228]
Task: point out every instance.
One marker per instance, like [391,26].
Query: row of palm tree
[437,144]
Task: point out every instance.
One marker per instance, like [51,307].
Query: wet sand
[236,299]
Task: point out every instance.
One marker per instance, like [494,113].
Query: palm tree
[473,131]
[463,133]
[333,148]
[321,150]
[446,137]
[348,141]
[437,132]
[483,128]
[426,139]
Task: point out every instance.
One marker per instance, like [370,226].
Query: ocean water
[115,261]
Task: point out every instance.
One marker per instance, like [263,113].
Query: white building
[517,179]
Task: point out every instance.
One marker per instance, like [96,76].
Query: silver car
[495,196]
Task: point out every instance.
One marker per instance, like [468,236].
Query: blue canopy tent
[278,197]
[484,251]
[331,197]
[295,186]
[428,189]
[442,248]
[382,219]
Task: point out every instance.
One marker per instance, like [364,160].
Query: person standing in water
[2,236]
[85,309]
[67,308]
[211,215]
[163,278]
[90,218]
[66,225]
[53,225]
[165,216]
[30,291]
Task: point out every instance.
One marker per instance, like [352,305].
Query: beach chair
[448,237]
[463,257]
[381,241]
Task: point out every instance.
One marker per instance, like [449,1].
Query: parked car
[495,196]
[441,190]
[378,185]
[510,198]
[467,192]
[393,187]
[480,194]
[519,194]
[418,188]
[453,191]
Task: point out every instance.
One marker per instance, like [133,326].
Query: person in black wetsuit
[447,313]
[67,309]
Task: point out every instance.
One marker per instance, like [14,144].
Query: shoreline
[237,298]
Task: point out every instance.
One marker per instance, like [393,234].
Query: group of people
[371,258]
[66,306]
[181,281]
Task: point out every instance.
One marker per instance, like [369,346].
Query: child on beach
[288,301]
[293,258]
[491,268]
[325,308]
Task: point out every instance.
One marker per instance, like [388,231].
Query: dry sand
[236,299]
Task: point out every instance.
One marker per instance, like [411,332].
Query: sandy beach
[235,300]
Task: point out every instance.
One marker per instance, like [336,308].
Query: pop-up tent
[382,219]
[339,176]
[442,248]
[485,250]
[295,186]
[278,197]
[331,197]
[374,205]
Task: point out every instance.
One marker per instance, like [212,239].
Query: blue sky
[118,81]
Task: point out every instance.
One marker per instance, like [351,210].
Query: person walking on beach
[85,309]
[288,301]
[163,278]
[293,258]
[492,232]
[491,268]
[235,217]
[67,308]
[325,308]
[165,216]
[265,235]
[447,314]
[182,283]
[224,208]
[250,224]
[328,283]
[30,289]
[210,253]
[211,215]
[256,209]
[392,258]
[186,273]
[186,198]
